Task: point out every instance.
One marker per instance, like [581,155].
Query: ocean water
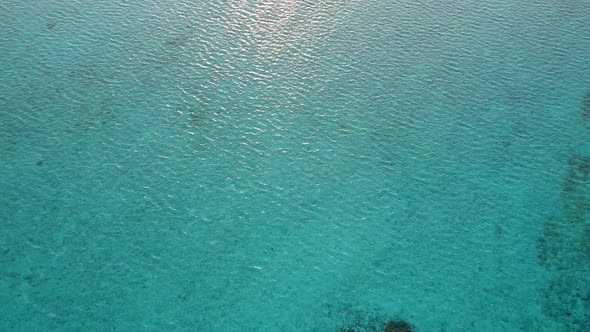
[289,165]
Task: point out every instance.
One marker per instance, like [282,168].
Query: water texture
[266,165]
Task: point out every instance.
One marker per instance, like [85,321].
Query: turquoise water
[294,165]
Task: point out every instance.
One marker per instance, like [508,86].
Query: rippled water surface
[289,165]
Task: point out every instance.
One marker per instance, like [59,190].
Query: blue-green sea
[295,165]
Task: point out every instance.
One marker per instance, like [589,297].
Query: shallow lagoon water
[294,165]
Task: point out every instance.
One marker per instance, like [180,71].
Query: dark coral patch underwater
[374,323]
[565,244]
[398,326]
